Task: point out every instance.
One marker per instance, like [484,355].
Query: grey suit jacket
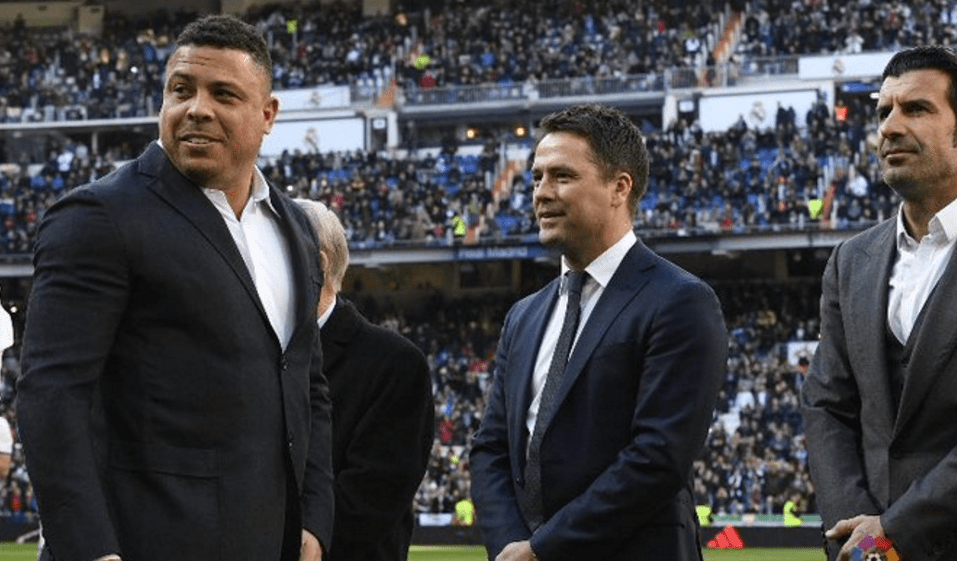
[143,313]
[866,458]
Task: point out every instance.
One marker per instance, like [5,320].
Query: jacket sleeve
[80,291]
[831,405]
[497,510]
[388,448]
[921,522]
[318,502]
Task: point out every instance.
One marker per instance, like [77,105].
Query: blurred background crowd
[799,173]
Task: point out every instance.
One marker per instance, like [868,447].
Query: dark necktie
[532,505]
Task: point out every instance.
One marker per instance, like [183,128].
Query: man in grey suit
[172,404]
[881,391]
[586,446]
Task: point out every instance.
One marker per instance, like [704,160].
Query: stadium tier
[416,127]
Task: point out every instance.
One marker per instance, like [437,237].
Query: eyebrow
[908,102]
[190,77]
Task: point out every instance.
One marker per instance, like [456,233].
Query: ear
[623,184]
[324,260]
[269,113]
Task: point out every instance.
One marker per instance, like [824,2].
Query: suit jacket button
[282,363]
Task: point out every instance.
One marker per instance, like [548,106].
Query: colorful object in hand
[864,551]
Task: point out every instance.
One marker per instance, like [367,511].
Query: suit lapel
[188,199]
[528,337]
[307,279]
[934,343]
[866,327]
[629,280]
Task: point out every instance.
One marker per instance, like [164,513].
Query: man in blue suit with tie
[605,380]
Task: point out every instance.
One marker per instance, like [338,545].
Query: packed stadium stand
[416,123]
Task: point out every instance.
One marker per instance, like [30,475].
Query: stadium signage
[500,252]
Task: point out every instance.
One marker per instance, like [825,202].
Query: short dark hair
[616,142]
[931,57]
[228,32]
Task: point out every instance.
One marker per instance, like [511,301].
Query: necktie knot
[575,280]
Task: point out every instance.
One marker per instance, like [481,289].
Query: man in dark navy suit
[589,455]
[172,404]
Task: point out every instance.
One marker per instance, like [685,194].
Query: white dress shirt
[918,267]
[258,236]
[324,318]
[6,330]
[599,272]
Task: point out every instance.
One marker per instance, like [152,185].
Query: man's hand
[858,527]
[310,550]
[517,551]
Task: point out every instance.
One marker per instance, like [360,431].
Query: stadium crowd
[798,174]
[820,174]
[784,27]
[56,74]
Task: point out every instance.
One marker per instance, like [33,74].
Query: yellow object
[791,517]
[464,513]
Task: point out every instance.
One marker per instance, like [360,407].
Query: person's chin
[550,238]
[199,172]
[900,181]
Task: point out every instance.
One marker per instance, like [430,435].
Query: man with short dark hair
[172,404]
[882,386]
[606,379]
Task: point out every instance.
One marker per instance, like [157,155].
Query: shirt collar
[605,265]
[324,318]
[944,222]
[260,189]
[257,194]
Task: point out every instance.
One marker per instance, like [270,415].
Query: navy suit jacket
[160,416]
[635,405]
[383,426]
[865,455]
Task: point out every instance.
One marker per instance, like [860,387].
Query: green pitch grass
[28,552]
[468,553]
[18,552]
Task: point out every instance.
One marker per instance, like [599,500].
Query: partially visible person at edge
[172,403]
[6,433]
[590,456]
[882,385]
[383,414]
